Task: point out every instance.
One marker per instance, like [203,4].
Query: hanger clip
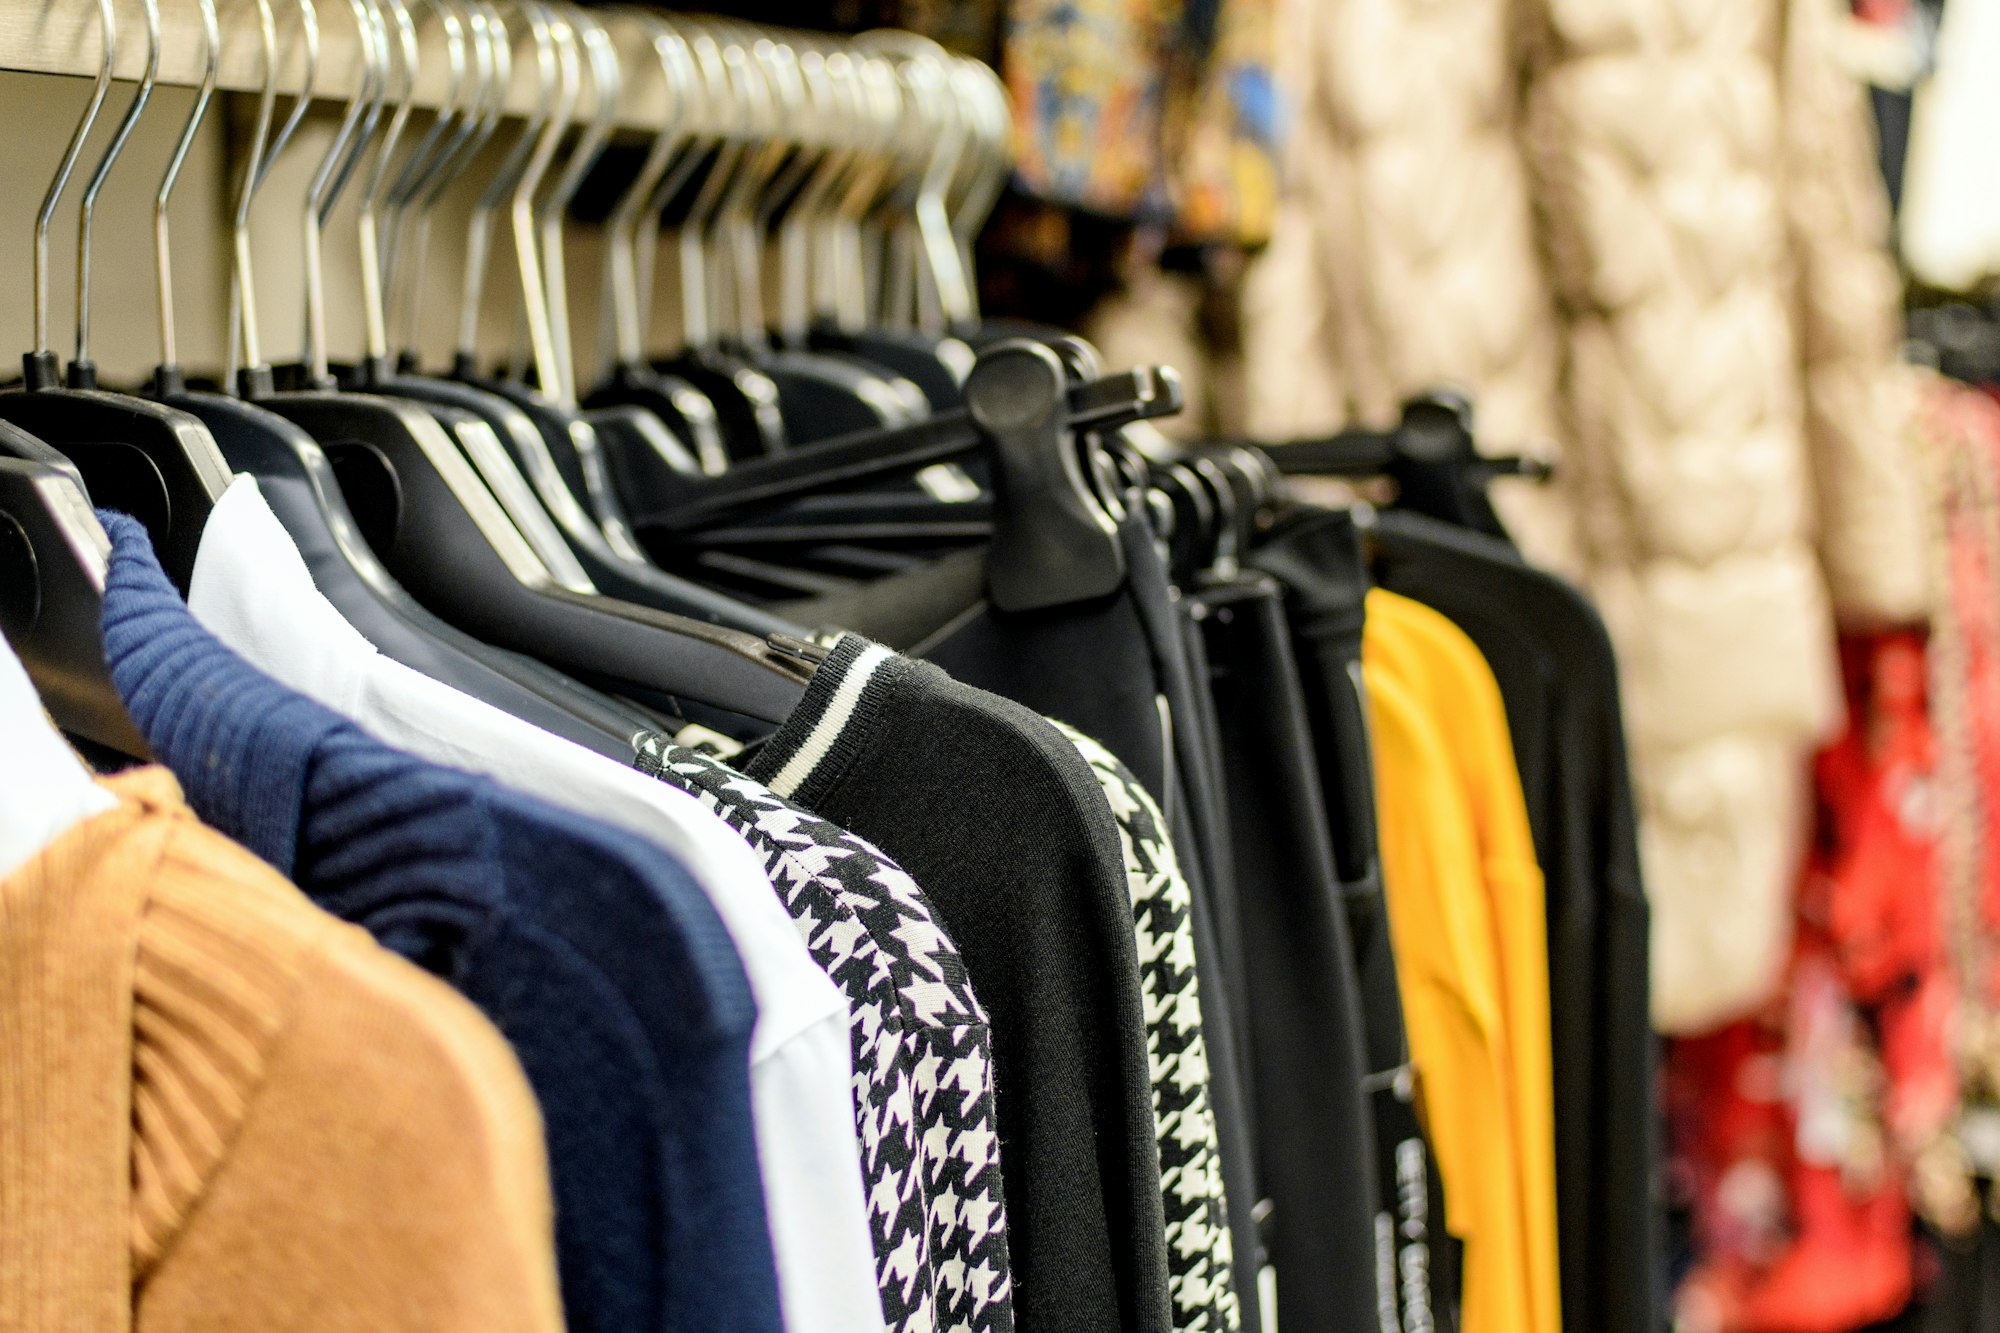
[1053,542]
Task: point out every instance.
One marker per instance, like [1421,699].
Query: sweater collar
[240,744]
[843,703]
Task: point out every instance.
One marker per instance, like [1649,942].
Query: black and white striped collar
[832,724]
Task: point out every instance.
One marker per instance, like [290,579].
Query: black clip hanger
[1191,535]
[142,458]
[1054,539]
[424,513]
[1253,482]
[1317,554]
[1053,542]
[54,558]
[755,488]
[1429,454]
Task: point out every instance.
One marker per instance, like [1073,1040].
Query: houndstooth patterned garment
[923,1051]
[1200,1276]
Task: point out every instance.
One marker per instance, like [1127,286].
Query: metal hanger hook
[40,365]
[83,373]
[607,81]
[479,229]
[162,250]
[322,189]
[432,152]
[647,194]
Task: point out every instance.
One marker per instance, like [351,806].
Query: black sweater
[1000,819]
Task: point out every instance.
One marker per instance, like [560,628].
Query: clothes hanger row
[471,524]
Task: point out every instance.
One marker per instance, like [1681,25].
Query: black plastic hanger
[419,504]
[755,489]
[1053,540]
[54,558]
[428,518]
[556,448]
[297,481]
[1317,555]
[1430,456]
[1191,538]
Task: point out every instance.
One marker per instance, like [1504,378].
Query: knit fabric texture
[1199,1252]
[990,809]
[594,953]
[923,1050]
[223,1109]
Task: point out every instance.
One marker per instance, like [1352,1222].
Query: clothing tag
[694,736]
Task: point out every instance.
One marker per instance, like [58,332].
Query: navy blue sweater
[596,955]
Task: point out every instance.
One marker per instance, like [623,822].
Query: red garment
[1796,1128]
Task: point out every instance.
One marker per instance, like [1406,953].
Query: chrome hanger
[245,344]
[844,269]
[324,189]
[82,371]
[834,102]
[988,165]
[929,286]
[607,88]
[479,229]
[428,178]
[157,464]
[700,303]
[40,365]
[404,57]
[393,202]
[211,60]
[651,185]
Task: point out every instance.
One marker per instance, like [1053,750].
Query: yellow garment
[1462,848]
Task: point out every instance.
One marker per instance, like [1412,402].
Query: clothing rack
[62,37]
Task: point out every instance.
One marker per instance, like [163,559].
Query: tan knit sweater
[222,1109]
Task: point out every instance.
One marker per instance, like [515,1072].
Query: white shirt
[252,589]
[44,787]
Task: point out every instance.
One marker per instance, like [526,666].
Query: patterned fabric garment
[1161,111]
[1199,1253]
[923,1052]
